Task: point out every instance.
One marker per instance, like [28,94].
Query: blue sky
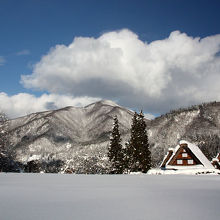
[29,28]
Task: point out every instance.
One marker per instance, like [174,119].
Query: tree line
[7,164]
[135,155]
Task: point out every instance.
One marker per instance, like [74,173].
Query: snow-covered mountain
[79,137]
[71,134]
[198,124]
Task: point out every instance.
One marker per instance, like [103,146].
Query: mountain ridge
[68,132]
[78,133]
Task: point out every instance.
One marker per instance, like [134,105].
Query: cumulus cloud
[23,52]
[24,103]
[2,60]
[158,76]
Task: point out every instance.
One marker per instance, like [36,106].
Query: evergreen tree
[138,152]
[3,131]
[130,157]
[115,151]
[144,151]
[3,142]
[6,162]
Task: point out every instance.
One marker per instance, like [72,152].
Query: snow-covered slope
[80,136]
[68,133]
[198,124]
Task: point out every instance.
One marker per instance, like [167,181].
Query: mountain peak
[108,102]
[103,102]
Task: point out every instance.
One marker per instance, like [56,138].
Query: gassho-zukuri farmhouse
[186,158]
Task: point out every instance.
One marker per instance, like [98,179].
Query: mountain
[74,135]
[199,124]
[75,139]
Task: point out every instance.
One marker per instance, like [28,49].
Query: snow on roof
[166,157]
[196,151]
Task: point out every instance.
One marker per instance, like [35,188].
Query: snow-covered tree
[130,157]
[5,161]
[115,151]
[138,152]
[3,130]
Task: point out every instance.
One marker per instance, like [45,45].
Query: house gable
[184,157]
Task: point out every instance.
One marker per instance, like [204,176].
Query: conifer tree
[138,152]
[4,156]
[115,151]
[144,150]
[131,145]
[3,131]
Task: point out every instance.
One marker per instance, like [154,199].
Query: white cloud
[2,60]
[164,74]
[23,52]
[24,103]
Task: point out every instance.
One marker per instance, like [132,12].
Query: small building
[185,156]
[216,161]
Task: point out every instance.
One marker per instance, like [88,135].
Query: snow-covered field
[108,197]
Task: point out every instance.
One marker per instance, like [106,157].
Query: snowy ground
[122,197]
[185,171]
